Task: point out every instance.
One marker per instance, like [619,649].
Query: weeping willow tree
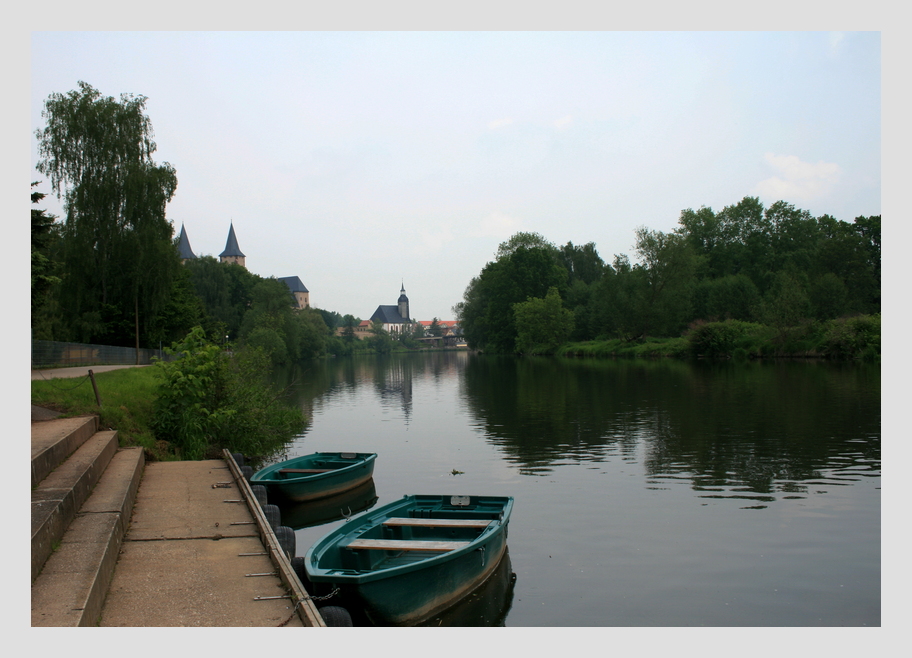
[117,251]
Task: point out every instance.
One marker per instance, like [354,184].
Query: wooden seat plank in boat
[305,470]
[406,545]
[438,523]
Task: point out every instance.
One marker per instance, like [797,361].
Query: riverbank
[127,394]
[840,339]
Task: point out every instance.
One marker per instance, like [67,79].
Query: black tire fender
[334,615]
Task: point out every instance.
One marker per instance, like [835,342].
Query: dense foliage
[110,273]
[210,399]
[118,265]
[44,270]
[746,273]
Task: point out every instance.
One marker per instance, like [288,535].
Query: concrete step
[55,440]
[58,497]
[71,588]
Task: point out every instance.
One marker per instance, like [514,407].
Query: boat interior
[415,534]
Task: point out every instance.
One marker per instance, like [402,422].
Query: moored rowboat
[410,559]
[318,475]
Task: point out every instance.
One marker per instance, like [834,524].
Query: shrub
[721,339]
[209,399]
[853,338]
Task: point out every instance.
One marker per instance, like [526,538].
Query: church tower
[404,304]
[183,246]
[232,253]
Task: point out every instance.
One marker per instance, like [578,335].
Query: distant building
[447,327]
[298,291]
[394,318]
[232,253]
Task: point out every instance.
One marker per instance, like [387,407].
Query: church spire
[232,253]
[403,306]
[183,246]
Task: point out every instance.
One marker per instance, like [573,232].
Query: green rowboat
[315,476]
[408,560]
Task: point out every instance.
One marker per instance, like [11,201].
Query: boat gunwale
[266,475]
[336,539]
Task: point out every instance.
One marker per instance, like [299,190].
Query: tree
[524,240]
[210,399]
[732,297]
[271,324]
[486,312]
[381,340]
[786,303]
[348,333]
[669,266]
[828,295]
[582,262]
[619,302]
[331,319]
[44,269]
[226,290]
[314,334]
[117,244]
[543,324]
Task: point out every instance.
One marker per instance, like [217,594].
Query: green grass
[127,396]
[649,348]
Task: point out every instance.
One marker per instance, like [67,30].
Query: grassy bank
[841,339]
[127,397]
[193,407]
[649,348]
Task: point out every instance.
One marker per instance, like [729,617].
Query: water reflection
[753,431]
[391,378]
[325,510]
[756,431]
[672,450]
[486,606]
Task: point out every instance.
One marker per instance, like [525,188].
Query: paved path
[189,553]
[193,554]
[75,371]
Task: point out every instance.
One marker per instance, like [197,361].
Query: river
[647,493]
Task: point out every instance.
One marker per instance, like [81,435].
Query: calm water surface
[646,493]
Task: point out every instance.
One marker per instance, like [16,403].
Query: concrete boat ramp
[117,541]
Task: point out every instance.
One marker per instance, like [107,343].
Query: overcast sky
[360,161]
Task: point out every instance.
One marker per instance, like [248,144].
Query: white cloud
[563,122]
[496,225]
[835,41]
[797,180]
[499,123]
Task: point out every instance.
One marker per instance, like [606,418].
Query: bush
[721,339]
[271,342]
[853,338]
[210,400]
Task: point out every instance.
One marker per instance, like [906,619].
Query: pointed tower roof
[231,247]
[402,297]
[183,245]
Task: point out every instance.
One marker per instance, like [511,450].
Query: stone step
[71,588]
[55,440]
[58,497]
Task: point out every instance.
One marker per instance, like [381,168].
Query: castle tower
[232,253]
[404,304]
[183,246]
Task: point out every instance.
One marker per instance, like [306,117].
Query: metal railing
[49,353]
